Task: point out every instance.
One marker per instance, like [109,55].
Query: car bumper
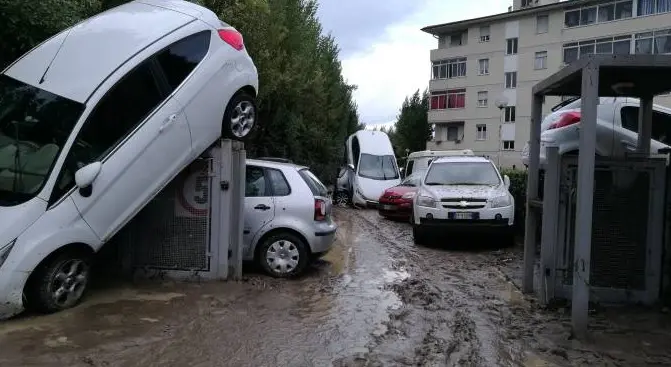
[483,226]
[485,219]
[323,237]
[361,201]
[11,292]
[395,209]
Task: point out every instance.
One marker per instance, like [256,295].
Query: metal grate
[619,229]
[171,233]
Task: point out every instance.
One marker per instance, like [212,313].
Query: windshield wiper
[434,183]
[466,183]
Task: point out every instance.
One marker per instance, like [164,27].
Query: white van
[98,119]
[419,161]
[370,156]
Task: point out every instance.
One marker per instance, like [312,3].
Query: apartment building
[484,68]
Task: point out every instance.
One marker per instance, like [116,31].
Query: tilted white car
[616,130]
[97,120]
[462,194]
[287,217]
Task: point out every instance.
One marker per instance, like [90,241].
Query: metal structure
[193,228]
[591,77]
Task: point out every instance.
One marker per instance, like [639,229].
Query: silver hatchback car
[288,220]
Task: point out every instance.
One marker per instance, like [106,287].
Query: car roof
[460,159]
[440,153]
[274,164]
[76,61]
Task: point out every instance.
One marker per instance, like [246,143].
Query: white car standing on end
[97,120]
[462,194]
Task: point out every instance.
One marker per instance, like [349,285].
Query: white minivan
[420,161]
[94,122]
[370,156]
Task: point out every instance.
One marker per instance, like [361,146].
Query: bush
[518,188]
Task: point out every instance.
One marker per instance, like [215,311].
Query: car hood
[464,191]
[15,220]
[399,190]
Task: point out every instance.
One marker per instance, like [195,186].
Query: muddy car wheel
[59,284]
[341,199]
[240,117]
[283,255]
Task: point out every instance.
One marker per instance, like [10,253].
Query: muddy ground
[376,300]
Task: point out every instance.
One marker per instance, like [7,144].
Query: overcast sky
[383,50]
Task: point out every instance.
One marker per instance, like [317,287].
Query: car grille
[464,203]
[392,197]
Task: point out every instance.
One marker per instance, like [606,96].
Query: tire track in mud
[449,317]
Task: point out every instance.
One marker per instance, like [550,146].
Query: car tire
[241,117]
[68,274]
[291,255]
[341,199]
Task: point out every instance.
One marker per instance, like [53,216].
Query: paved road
[377,300]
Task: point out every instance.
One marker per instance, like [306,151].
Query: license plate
[463,215]
[388,207]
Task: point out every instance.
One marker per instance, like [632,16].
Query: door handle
[262,207]
[167,122]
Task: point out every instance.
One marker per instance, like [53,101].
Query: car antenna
[42,79]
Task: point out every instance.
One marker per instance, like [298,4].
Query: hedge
[518,188]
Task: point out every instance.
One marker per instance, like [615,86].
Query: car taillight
[566,119]
[320,210]
[233,38]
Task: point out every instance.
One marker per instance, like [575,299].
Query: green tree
[412,129]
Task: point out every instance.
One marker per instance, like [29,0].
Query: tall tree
[412,129]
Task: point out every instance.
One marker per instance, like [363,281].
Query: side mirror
[506,181]
[85,176]
[351,166]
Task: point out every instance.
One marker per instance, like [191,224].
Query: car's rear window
[316,186]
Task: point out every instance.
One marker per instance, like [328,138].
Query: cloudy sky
[383,50]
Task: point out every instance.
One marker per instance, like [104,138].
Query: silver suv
[288,220]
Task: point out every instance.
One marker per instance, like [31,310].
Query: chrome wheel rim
[243,119]
[69,283]
[282,256]
[341,199]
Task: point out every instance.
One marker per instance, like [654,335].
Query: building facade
[483,69]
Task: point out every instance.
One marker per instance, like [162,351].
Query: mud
[375,300]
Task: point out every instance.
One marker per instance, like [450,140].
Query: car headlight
[426,201]
[409,195]
[5,250]
[501,201]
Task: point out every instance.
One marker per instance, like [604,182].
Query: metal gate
[627,229]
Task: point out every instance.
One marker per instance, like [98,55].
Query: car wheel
[240,117]
[341,199]
[60,283]
[283,255]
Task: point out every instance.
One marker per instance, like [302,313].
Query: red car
[396,202]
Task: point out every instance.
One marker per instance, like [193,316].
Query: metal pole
[550,219]
[585,196]
[225,177]
[532,193]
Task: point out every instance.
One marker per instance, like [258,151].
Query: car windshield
[34,126]
[462,173]
[377,167]
[316,186]
[412,180]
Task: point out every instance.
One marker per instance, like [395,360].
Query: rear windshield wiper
[433,183]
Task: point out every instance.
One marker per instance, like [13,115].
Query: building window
[647,7]
[508,145]
[607,12]
[509,114]
[484,33]
[481,132]
[657,42]
[483,67]
[452,133]
[458,39]
[619,45]
[482,99]
[455,98]
[511,80]
[452,68]
[542,24]
[511,46]
[541,60]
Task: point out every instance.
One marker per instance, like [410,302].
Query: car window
[255,182]
[125,106]
[661,123]
[280,186]
[378,167]
[180,58]
[462,173]
[629,116]
[315,185]
[409,169]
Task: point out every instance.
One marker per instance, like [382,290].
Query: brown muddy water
[376,300]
